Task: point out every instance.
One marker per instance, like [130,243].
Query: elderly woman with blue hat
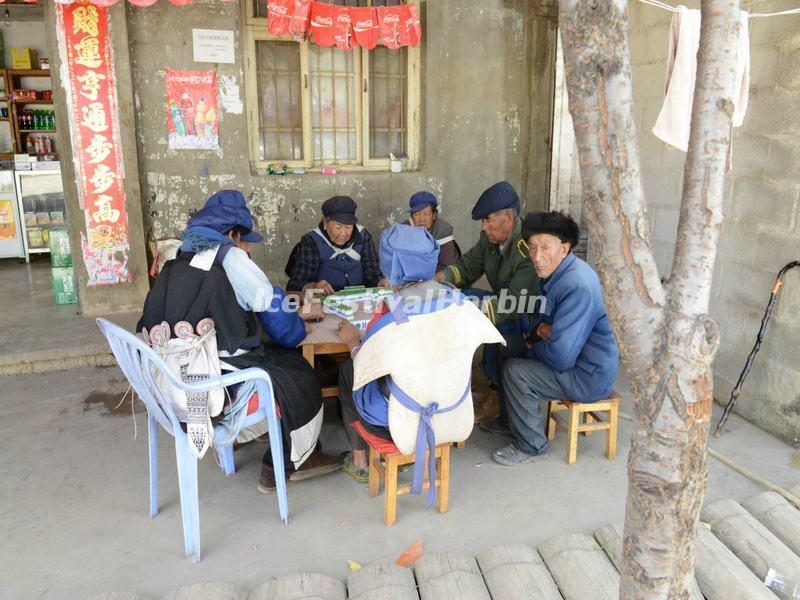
[214,276]
[424,210]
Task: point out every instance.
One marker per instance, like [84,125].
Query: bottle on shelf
[29,147]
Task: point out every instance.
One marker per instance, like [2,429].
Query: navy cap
[420,200]
[341,209]
[501,195]
[223,211]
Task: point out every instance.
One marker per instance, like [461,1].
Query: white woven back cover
[430,359]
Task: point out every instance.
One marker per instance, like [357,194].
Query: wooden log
[580,568]
[610,539]
[754,544]
[209,591]
[301,586]
[722,576]
[777,515]
[449,576]
[517,573]
[382,580]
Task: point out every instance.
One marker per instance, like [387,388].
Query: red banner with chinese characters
[94,129]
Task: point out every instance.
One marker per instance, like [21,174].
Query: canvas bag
[192,358]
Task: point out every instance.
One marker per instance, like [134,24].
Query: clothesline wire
[670,8]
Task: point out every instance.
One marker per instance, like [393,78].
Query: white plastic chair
[137,361]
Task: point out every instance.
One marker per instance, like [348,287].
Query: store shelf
[29,72]
[4,119]
[38,250]
[50,102]
[37,130]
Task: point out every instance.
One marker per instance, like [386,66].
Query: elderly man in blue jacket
[571,352]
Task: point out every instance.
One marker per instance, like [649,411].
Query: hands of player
[543,331]
[311,311]
[440,277]
[349,334]
[322,285]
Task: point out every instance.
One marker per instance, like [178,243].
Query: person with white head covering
[394,387]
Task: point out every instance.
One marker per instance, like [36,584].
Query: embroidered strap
[425,436]
[349,251]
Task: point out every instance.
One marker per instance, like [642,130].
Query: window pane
[387,102]
[333,105]
[280,108]
[260,8]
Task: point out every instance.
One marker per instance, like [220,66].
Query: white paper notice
[229,95]
[213,45]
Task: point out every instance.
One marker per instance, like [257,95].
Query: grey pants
[350,413]
[527,384]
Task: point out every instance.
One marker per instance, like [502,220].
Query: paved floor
[35,332]
[73,504]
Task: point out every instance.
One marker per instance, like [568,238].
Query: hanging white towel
[674,120]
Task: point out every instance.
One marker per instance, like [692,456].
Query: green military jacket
[506,269]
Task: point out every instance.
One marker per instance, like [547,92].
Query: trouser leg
[528,384]
[515,348]
[349,412]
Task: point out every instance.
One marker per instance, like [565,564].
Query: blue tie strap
[425,437]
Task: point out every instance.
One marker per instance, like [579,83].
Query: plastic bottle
[29,147]
[177,119]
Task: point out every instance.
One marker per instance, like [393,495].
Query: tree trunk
[666,337]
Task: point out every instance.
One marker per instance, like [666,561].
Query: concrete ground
[36,334]
[73,504]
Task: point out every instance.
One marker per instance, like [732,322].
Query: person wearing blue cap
[424,209]
[213,276]
[409,256]
[337,253]
[496,256]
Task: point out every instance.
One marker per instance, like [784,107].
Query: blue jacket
[581,349]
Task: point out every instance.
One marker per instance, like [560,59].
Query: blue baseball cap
[420,200]
[223,211]
[501,195]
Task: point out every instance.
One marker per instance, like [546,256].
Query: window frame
[255,30]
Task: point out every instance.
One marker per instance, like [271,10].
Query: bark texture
[666,337]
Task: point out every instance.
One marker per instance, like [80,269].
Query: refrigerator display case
[40,196]
[11,229]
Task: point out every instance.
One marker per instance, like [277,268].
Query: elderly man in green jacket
[511,276]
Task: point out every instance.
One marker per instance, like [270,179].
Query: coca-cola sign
[345,26]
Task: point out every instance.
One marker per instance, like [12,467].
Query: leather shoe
[315,465]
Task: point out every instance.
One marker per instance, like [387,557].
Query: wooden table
[324,340]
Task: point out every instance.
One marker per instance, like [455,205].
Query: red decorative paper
[345,26]
[94,127]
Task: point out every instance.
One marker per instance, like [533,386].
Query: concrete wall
[481,100]
[761,208]
[123,297]
[24,34]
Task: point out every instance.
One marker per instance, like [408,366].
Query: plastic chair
[137,361]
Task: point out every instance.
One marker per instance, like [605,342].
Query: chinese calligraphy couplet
[94,128]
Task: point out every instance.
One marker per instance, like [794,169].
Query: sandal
[360,474]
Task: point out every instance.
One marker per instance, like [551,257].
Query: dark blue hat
[341,209]
[501,195]
[420,200]
[225,210]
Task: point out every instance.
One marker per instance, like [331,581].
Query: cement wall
[480,102]
[123,297]
[761,208]
[24,34]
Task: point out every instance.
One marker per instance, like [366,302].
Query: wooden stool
[384,466]
[585,418]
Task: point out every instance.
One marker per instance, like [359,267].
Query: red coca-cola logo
[320,21]
[391,19]
[343,18]
[368,24]
[278,9]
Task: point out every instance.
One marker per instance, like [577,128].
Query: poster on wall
[95,136]
[192,110]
